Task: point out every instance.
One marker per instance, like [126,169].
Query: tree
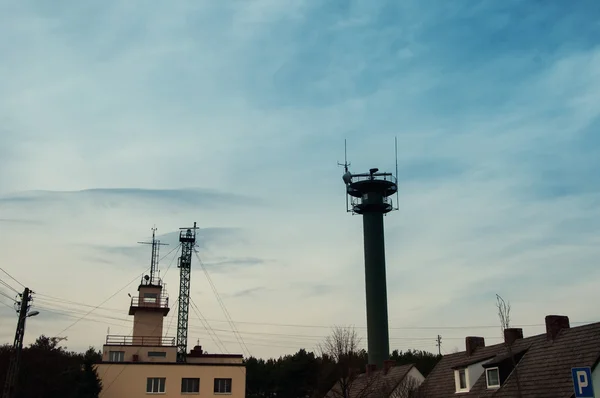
[408,388]
[347,359]
[504,316]
[423,360]
[48,370]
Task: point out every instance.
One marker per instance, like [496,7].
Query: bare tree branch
[504,316]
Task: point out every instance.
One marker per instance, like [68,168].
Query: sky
[119,116]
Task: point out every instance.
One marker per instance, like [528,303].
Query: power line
[11,277]
[96,307]
[6,305]
[9,286]
[313,326]
[317,326]
[209,329]
[222,304]
[6,295]
[113,295]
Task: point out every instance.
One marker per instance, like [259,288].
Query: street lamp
[33,313]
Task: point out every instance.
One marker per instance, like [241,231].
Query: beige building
[145,363]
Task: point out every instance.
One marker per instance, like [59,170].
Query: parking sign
[582,382]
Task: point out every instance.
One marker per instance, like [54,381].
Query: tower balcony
[150,341]
[149,302]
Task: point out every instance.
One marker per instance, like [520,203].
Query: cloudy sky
[118,116]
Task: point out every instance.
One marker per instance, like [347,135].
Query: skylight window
[493,377]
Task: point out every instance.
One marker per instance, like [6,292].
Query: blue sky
[120,115]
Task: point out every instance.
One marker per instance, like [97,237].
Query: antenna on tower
[397,191]
[154,260]
[347,177]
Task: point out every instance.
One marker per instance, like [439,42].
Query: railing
[150,302]
[376,176]
[153,341]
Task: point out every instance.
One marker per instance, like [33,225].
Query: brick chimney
[371,368]
[387,365]
[512,334]
[196,351]
[472,343]
[554,324]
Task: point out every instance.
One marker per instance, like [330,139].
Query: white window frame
[156,385]
[120,356]
[487,379]
[457,380]
[223,379]
[187,385]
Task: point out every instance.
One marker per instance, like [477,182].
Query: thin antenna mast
[397,191]
[345,164]
[154,260]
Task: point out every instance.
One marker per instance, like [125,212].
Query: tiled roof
[544,371]
[373,385]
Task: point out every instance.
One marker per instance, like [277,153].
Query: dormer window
[492,376]
[462,379]
[461,382]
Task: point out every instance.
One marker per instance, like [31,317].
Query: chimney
[512,334]
[472,343]
[554,324]
[387,365]
[196,351]
[371,368]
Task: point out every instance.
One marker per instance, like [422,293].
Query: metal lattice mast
[187,239]
[13,369]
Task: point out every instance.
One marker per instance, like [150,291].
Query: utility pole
[10,385]
[439,344]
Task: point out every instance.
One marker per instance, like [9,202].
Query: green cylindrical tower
[369,195]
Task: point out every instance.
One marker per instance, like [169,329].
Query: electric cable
[11,277]
[222,304]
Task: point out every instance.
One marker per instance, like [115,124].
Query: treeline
[47,370]
[306,374]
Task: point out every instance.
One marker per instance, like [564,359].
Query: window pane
[149,385]
[463,379]
[190,385]
[493,377]
[223,386]
[161,385]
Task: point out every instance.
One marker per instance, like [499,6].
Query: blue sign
[582,382]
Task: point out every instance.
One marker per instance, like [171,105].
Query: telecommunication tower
[187,238]
[368,194]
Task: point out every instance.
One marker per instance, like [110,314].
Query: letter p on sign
[582,382]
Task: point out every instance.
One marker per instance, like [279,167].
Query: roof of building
[374,383]
[543,371]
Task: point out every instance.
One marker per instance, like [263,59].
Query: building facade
[145,363]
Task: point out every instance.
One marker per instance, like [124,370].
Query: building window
[116,356]
[493,377]
[190,385]
[461,380]
[222,386]
[150,297]
[157,354]
[155,385]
